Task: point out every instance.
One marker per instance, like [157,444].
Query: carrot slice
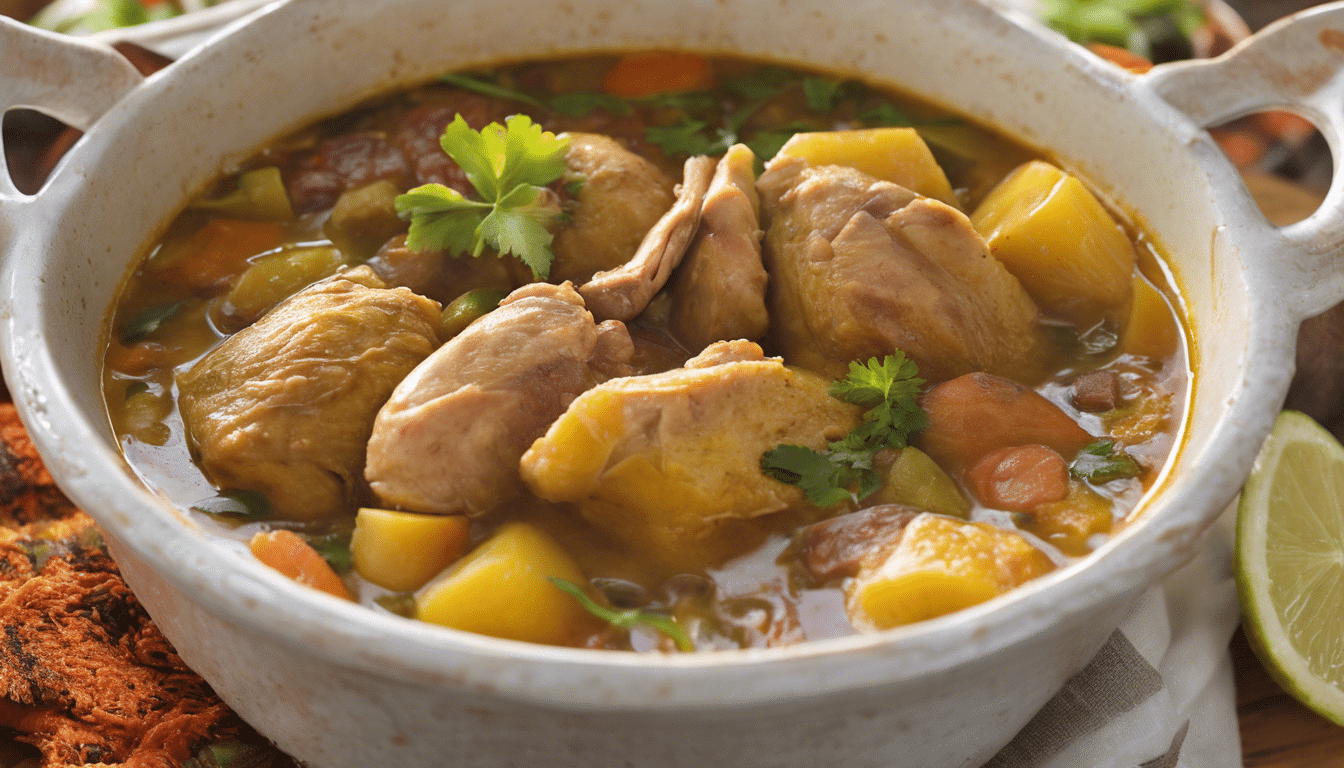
[642,75]
[289,554]
[217,253]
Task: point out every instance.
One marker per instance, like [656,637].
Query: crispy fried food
[85,676]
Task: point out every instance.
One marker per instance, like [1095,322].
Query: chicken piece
[449,438]
[285,406]
[620,197]
[718,294]
[861,267]
[623,292]
[663,460]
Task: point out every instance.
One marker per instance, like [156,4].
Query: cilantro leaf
[509,166]
[629,618]
[1102,462]
[688,137]
[886,115]
[825,478]
[580,104]
[888,389]
[759,84]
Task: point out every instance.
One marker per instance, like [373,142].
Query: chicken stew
[769,356]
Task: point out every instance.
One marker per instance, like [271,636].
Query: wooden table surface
[1276,731]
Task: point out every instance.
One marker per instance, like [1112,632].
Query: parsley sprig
[844,471]
[1103,461]
[509,166]
[629,618]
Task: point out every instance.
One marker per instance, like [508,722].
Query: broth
[1114,368]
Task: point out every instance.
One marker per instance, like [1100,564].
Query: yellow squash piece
[942,565]
[1152,330]
[897,155]
[404,550]
[1060,242]
[502,589]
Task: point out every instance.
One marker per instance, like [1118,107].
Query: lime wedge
[1290,562]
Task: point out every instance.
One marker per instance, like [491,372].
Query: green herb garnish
[687,137]
[888,389]
[1102,462]
[147,322]
[509,168]
[482,85]
[580,104]
[238,505]
[334,547]
[629,618]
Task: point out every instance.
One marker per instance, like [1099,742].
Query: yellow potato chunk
[1059,241]
[403,550]
[502,589]
[1152,329]
[897,155]
[914,480]
[941,565]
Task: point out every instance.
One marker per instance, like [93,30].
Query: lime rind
[1290,562]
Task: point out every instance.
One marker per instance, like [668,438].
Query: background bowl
[337,685]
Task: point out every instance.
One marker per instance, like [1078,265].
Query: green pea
[466,309]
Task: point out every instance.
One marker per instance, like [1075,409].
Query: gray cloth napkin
[1159,694]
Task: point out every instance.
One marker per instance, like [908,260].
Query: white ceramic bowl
[337,685]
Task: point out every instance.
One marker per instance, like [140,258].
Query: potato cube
[897,155]
[502,589]
[1061,243]
[1152,330]
[942,565]
[364,218]
[403,550]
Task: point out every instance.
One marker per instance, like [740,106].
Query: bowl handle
[69,79]
[1295,64]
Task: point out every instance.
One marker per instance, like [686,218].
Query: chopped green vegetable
[480,84]
[888,389]
[1102,462]
[629,618]
[237,505]
[260,196]
[509,168]
[147,322]
[466,309]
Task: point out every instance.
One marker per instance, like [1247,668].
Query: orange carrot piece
[1121,57]
[289,554]
[974,415]
[218,252]
[1020,478]
[642,75]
